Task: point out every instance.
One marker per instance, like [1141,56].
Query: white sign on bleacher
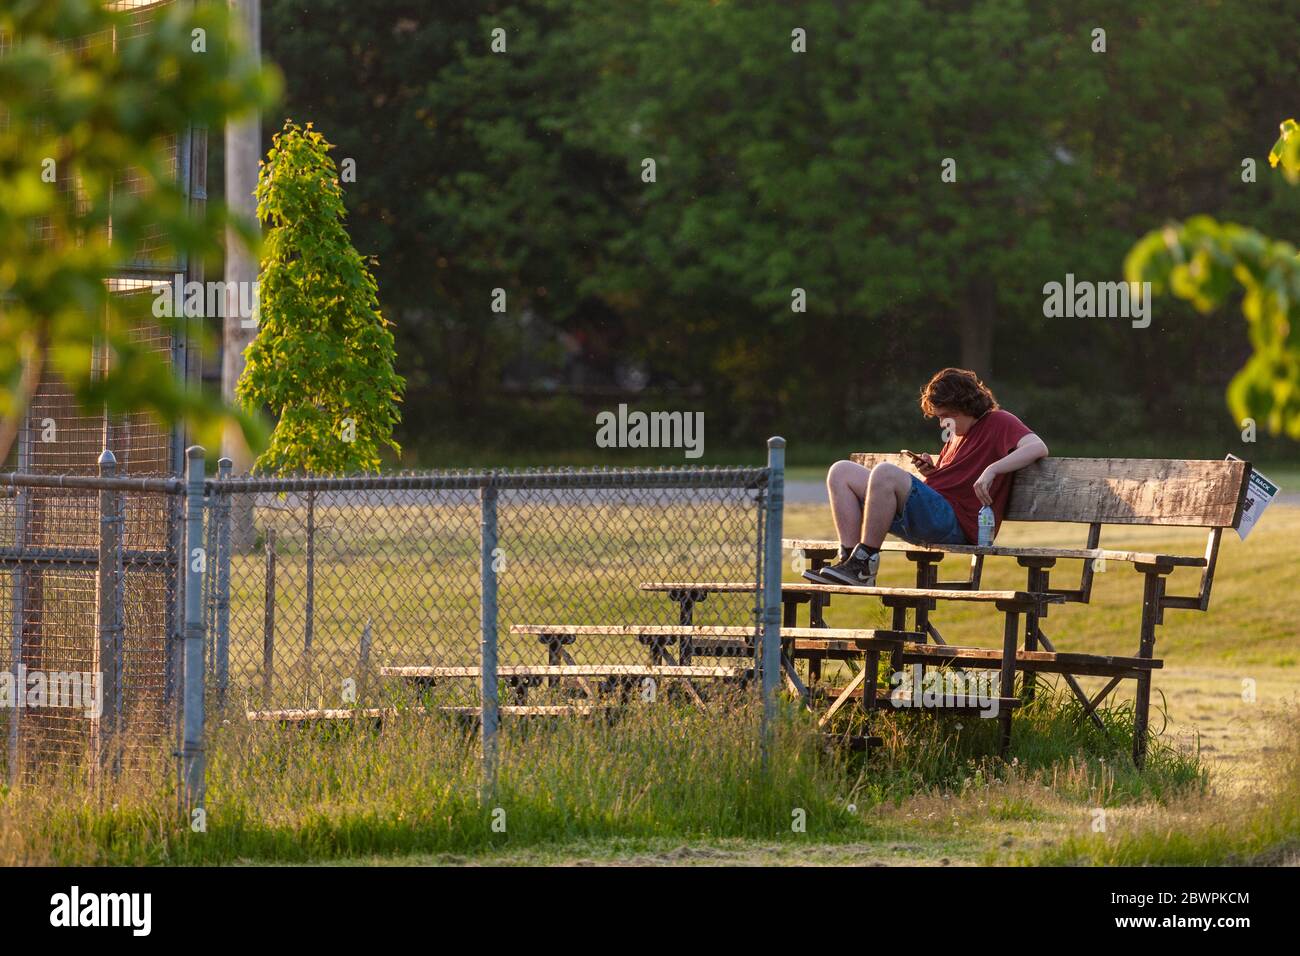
[1259,492]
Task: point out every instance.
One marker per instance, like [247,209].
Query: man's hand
[923,462]
[1029,449]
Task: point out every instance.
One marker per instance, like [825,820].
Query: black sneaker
[815,576]
[859,570]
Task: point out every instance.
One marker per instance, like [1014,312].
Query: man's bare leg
[846,486]
[886,495]
[864,513]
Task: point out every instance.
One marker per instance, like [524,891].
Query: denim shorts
[927,518]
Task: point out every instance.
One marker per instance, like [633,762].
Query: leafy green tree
[521,169]
[467,182]
[89,98]
[322,359]
[1206,262]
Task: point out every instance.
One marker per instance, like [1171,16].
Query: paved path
[804,492]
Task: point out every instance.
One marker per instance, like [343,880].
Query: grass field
[668,785]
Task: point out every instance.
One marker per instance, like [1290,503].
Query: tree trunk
[977,334]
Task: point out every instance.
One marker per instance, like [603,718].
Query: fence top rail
[154,485]
[742,478]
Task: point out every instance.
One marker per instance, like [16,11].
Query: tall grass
[663,771]
[1053,745]
[279,794]
[1258,827]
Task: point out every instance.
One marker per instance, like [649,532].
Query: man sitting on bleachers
[984,444]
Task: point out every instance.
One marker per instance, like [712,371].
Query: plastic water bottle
[986,527]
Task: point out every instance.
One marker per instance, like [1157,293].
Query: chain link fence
[366,593]
[481,596]
[88,591]
[50,529]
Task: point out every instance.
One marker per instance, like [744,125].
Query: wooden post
[1036,583]
[927,576]
[554,656]
[1152,591]
[898,623]
[268,620]
[872,665]
[1007,683]
[363,662]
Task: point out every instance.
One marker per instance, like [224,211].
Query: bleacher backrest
[1145,491]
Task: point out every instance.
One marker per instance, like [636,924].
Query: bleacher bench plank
[540,710]
[301,715]
[884,638]
[885,702]
[932,594]
[1047,662]
[1141,491]
[823,546]
[568,670]
[1065,662]
[315,715]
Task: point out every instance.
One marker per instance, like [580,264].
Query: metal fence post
[488,648]
[192,757]
[309,608]
[772,568]
[108,616]
[222,516]
[363,663]
[268,618]
[18,607]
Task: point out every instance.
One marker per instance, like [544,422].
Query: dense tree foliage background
[777,170]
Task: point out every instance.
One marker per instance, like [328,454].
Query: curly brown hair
[958,390]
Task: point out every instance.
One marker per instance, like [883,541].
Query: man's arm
[1027,451]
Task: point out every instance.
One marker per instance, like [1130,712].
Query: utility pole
[243,152]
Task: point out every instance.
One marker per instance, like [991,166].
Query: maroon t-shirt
[964,459]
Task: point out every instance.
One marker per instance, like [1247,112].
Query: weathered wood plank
[312,715]
[937,594]
[1144,491]
[822,547]
[541,710]
[1089,665]
[885,702]
[1047,662]
[568,670]
[708,630]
